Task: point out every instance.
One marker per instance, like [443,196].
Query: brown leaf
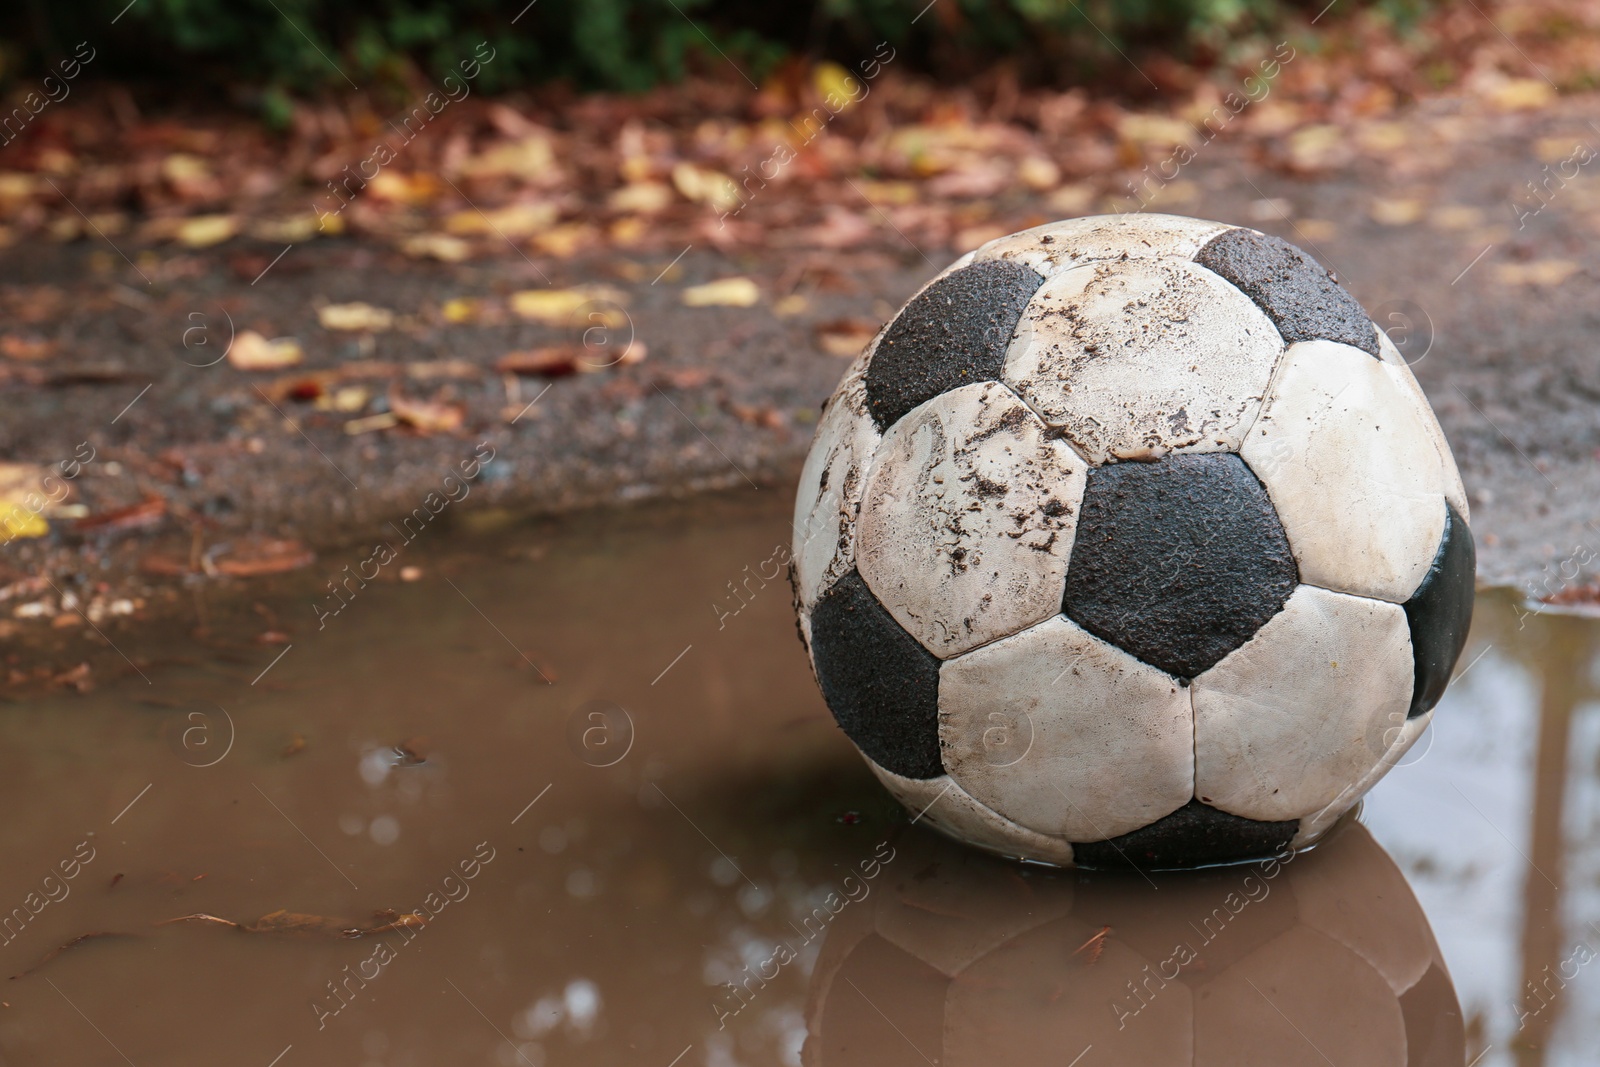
[30,347]
[763,415]
[248,558]
[302,924]
[683,377]
[552,361]
[1094,947]
[96,935]
[147,512]
[845,337]
[426,416]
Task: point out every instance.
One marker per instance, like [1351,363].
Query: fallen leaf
[703,186]
[355,316]
[1094,947]
[763,415]
[146,513]
[300,924]
[203,231]
[552,361]
[1038,173]
[530,157]
[644,198]
[739,292]
[440,246]
[348,399]
[1318,147]
[683,377]
[845,338]
[96,935]
[291,229]
[252,351]
[1455,217]
[296,745]
[1521,94]
[383,420]
[399,188]
[1538,272]
[28,347]
[460,310]
[1395,212]
[22,501]
[1070,200]
[426,416]
[571,307]
[565,241]
[510,222]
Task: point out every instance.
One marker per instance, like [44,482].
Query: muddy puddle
[543,804]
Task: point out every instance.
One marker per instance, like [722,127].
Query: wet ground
[542,803]
[1488,298]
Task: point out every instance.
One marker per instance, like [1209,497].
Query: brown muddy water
[570,872]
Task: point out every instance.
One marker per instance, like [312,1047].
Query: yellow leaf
[403,188]
[566,307]
[646,198]
[202,231]
[15,185]
[530,157]
[181,167]
[355,316]
[725,292]
[1539,272]
[1396,212]
[1317,147]
[1384,137]
[1521,94]
[1071,200]
[1157,131]
[706,187]
[22,499]
[1038,173]
[1317,229]
[514,220]
[833,80]
[251,351]
[1455,217]
[440,246]
[292,228]
[564,241]
[461,309]
[628,230]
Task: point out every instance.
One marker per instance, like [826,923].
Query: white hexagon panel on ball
[968,519]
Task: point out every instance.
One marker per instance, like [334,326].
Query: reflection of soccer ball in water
[1322,958]
[1132,540]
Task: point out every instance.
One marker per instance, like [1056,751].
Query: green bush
[308,46]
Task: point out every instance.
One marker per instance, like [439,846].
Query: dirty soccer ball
[1319,959]
[1132,541]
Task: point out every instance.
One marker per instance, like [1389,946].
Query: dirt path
[212,460]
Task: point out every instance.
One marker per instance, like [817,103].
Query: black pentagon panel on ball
[1297,293]
[880,683]
[1196,835]
[951,334]
[1178,562]
[1440,613]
